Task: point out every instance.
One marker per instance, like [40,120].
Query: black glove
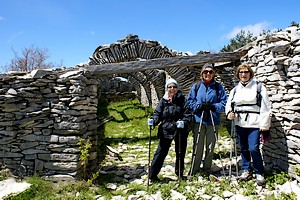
[200,107]
[209,106]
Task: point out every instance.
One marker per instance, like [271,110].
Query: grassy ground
[129,126]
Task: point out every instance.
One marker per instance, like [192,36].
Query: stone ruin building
[44,113]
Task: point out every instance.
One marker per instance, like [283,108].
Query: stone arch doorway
[149,84]
[147,64]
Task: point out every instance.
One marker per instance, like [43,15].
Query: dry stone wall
[42,117]
[44,114]
[149,84]
[276,62]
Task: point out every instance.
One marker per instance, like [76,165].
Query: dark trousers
[162,151]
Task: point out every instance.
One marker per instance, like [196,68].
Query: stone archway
[133,49]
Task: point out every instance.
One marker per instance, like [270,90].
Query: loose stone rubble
[133,169]
[11,187]
[128,163]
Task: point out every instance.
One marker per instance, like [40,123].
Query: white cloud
[256,29]
[1,18]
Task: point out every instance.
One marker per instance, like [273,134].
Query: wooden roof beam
[162,63]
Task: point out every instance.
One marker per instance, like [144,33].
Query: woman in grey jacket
[251,112]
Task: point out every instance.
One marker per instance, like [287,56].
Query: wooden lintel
[162,63]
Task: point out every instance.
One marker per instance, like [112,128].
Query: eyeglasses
[245,72]
[208,72]
[172,86]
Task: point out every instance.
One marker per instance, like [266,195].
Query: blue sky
[72,29]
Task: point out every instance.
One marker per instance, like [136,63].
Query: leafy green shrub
[248,187]
[276,178]
[84,147]
[296,170]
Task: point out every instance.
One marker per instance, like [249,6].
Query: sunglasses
[244,72]
[208,72]
[172,86]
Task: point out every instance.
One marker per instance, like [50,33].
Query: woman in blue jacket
[206,98]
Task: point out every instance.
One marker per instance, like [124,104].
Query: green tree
[240,40]
[31,58]
[293,23]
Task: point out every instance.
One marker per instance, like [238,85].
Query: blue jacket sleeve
[222,100]
[191,100]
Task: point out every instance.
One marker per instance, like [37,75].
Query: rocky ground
[129,164]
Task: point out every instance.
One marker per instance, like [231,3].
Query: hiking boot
[260,179]
[184,178]
[245,175]
[155,180]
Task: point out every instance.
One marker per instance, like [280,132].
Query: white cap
[171,81]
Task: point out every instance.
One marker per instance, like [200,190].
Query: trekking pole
[231,143]
[150,123]
[196,144]
[235,152]
[179,152]
[180,126]
[215,132]
[234,139]
[149,154]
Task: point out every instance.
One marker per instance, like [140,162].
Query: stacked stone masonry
[276,61]
[44,113]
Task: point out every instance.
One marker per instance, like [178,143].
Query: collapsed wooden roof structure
[145,62]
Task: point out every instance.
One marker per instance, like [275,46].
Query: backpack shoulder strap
[258,87]
[217,90]
[234,91]
[197,87]
[258,93]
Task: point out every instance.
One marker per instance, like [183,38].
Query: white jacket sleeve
[228,108]
[265,110]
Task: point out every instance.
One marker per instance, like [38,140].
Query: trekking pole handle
[232,106]
[150,121]
[180,124]
[232,110]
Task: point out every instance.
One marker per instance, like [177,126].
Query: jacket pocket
[169,129]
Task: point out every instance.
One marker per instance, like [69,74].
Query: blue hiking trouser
[249,141]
